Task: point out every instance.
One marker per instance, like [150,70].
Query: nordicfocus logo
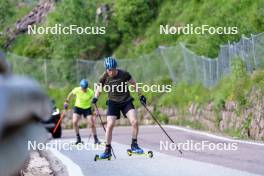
[125,87]
[59,29]
[62,146]
[200,30]
[190,145]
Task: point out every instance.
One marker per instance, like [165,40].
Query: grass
[187,123]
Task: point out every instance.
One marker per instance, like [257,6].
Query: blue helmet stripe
[110,62]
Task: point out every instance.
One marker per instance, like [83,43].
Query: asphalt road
[246,158]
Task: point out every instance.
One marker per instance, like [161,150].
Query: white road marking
[213,135]
[73,169]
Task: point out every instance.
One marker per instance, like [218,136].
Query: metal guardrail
[22,106]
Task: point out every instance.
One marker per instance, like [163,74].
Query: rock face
[36,16]
[245,121]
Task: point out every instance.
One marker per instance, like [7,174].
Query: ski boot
[104,156]
[78,141]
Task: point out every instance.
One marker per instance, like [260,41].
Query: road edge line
[73,168]
[213,135]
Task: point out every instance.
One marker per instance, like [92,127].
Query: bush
[133,16]
[183,94]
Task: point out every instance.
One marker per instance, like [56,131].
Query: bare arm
[69,97]
[97,91]
[99,86]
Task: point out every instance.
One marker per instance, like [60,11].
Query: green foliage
[188,123]
[5,12]
[247,124]
[11,10]
[133,16]
[134,27]
[183,94]
[233,87]
[9,14]
[86,46]
[234,132]
[241,81]
[60,95]
[162,118]
[258,80]
[218,117]
[238,67]
[244,15]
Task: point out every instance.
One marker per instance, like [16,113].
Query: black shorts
[84,112]
[114,108]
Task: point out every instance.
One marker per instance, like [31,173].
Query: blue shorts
[84,112]
[114,108]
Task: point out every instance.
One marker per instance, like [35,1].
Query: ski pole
[98,114]
[155,119]
[58,123]
[89,137]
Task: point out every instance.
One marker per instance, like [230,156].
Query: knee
[92,125]
[75,121]
[110,126]
[134,123]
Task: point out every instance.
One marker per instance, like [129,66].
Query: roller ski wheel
[103,144]
[147,154]
[150,154]
[100,144]
[97,158]
[129,152]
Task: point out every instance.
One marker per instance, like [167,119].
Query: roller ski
[136,150]
[107,155]
[148,154]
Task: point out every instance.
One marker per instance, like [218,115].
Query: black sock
[78,136]
[134,141]
[108,148]
[95,138]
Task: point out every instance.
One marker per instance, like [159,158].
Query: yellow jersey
[83,99]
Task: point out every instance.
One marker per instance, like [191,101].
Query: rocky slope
[245,122]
